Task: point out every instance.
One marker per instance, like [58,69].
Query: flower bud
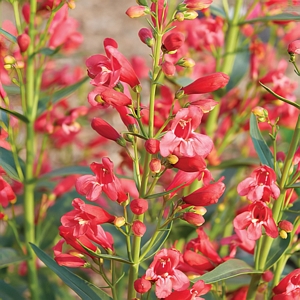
[71,4]
[173,41]
[138,228]
[9,60]
[168,68]
[119,221]
[142,285]
[152,146]
[286,226]
[138,206]
[23,41]
[155,165]
[260,113]
[267,276]
[3,217]
[137,11]
[193,218]
[186,62]
[294,47]
[190,15]
[146,36]
[179,16]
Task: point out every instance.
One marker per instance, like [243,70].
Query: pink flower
[104,180]
[198,289]
[85,216]
[260,186]
[182,140]
[6,193]
[294,47]
[206,84]
[146,36]
[289,287]
[163,271]
[257,215]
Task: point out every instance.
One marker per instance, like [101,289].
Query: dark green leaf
[183,81]
[9,256]
[16,114]
[279,17]
[11,37]
[278,248]
[80,286]
[56,96]
[293,186]
[262,149]
[236,162]
[48,51]
[217,11]
[228,269]
[8,164]
[7,292]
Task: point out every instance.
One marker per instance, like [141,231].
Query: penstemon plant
[177,180]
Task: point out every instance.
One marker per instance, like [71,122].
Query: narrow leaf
[228,269]
[262,149]
[8,164]
[9,256]
[16,114]
[8,292]
[279,17]
[80,286]
[56,96]
[293,186]
[217,11]
[67,171]
[8,35]
[278,249]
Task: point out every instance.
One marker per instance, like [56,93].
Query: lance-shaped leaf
[8,292]
[81,287]
[279,17]
[8,35]
[15,114]
[56,96]
[9,256]
[228,269]
[262,149]
[8,164]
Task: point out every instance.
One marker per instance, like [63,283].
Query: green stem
[17,16]
[227,65]
[114,280]
[29,184]
[255,279]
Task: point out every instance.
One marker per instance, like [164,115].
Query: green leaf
[56,96]
[236,162]
[80,286]
[262,149]
[8,35]
[67,171]
[16,114]
[228,269]
[293,186]
[217,11]
[278,249]
[7,292]
[279,17]
[9,256]
[8,164]
[11,89]
[48,51]
[160,240]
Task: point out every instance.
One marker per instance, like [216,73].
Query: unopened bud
[119,221]
[146,36]
[200,210]
[193,218]
[294,47]
[190,15]
[286,226]
[152,146]
[71,4]
[9,60]
[179,16]
[23,41]
[186,62]
[139,206]
[138,228]
[260,113]
[155,165]
[137,11]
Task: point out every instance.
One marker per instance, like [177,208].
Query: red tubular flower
[104,180]
[6,193]
[257,215]
[206,84]
[65,185]
[23,41]
[206,195]
[129,121]
[260,186]
[164,272]
[197,4]
[102,96]
[72,259]
[289,287]
[190,164]
[198,289]
[173,41]
[294,47]
[139,206]
[127,73]
[182,140]
[142,285]
[106,130]
[162,11]
[206,105]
